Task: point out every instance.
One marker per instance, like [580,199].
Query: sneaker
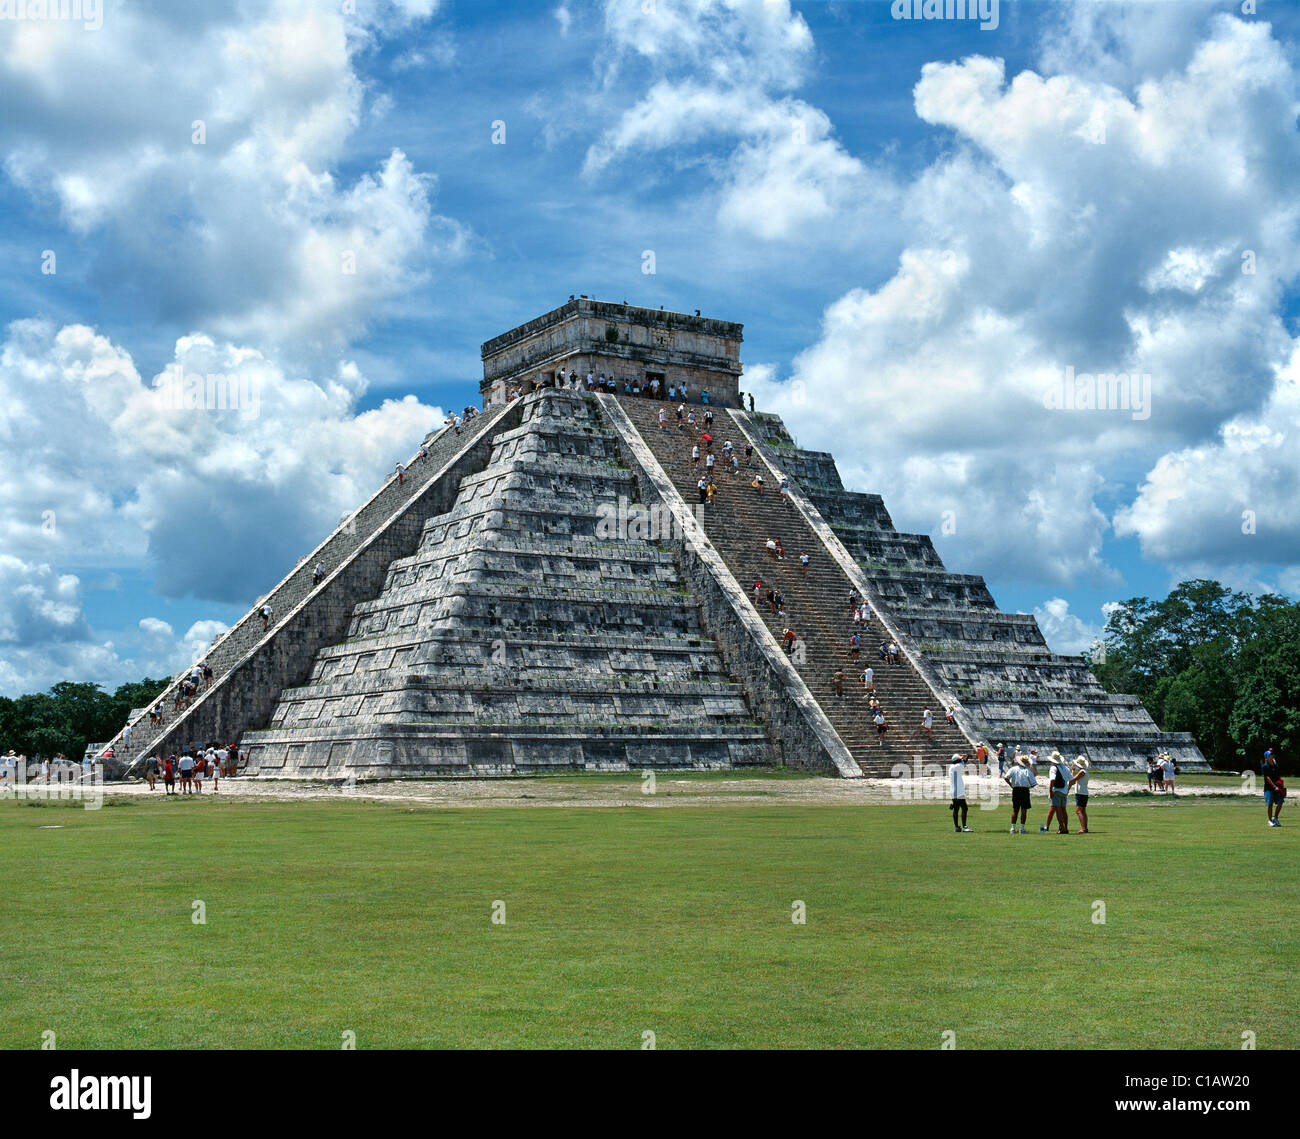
[956,830]
[1013,830]
[1271,823]
[1042,830]
[966,830]
[1022,829]
[1277,822]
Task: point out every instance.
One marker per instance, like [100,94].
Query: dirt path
[670,790]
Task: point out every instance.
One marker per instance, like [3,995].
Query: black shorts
[1019,798]
[1081,800]
[957,803]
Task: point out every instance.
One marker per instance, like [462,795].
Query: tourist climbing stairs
[818,608]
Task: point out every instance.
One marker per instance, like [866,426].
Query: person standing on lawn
[957,790]
[1058,786]
[1020,779]
[1079,782]
[1274,788]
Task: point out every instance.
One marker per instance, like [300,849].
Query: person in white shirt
[869,678]
[1170,770]
[927,722]
[1080,784]
[957,788]
[1020,779]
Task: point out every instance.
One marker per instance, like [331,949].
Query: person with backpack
[1274,788]
[1058,785]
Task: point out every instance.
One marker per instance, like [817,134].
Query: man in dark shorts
[169,775]
[1020,779]
[1274,788]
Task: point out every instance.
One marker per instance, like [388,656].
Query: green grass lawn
[327,917]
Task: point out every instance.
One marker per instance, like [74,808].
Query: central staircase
[817,608]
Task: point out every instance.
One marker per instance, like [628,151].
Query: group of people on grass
[1162,772]
[1022,777]
[190,767]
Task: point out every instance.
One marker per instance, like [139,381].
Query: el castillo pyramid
[543,591]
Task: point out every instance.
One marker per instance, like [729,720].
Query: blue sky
[921,225]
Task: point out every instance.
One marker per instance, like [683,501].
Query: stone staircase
[738,524]
[232,646]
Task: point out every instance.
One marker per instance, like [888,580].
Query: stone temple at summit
[543,589]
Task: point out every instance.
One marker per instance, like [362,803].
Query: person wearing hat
[1020,779]
[1079,782]
[1274,788]
[1059,782]
[957,790]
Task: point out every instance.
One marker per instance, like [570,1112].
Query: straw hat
[1081,762]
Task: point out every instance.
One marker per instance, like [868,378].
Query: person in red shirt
[169,775]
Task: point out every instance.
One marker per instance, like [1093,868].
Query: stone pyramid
[541,589]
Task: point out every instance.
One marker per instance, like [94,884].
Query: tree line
[1220,664]
[70,716]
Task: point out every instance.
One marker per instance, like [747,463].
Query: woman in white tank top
[1079,781]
